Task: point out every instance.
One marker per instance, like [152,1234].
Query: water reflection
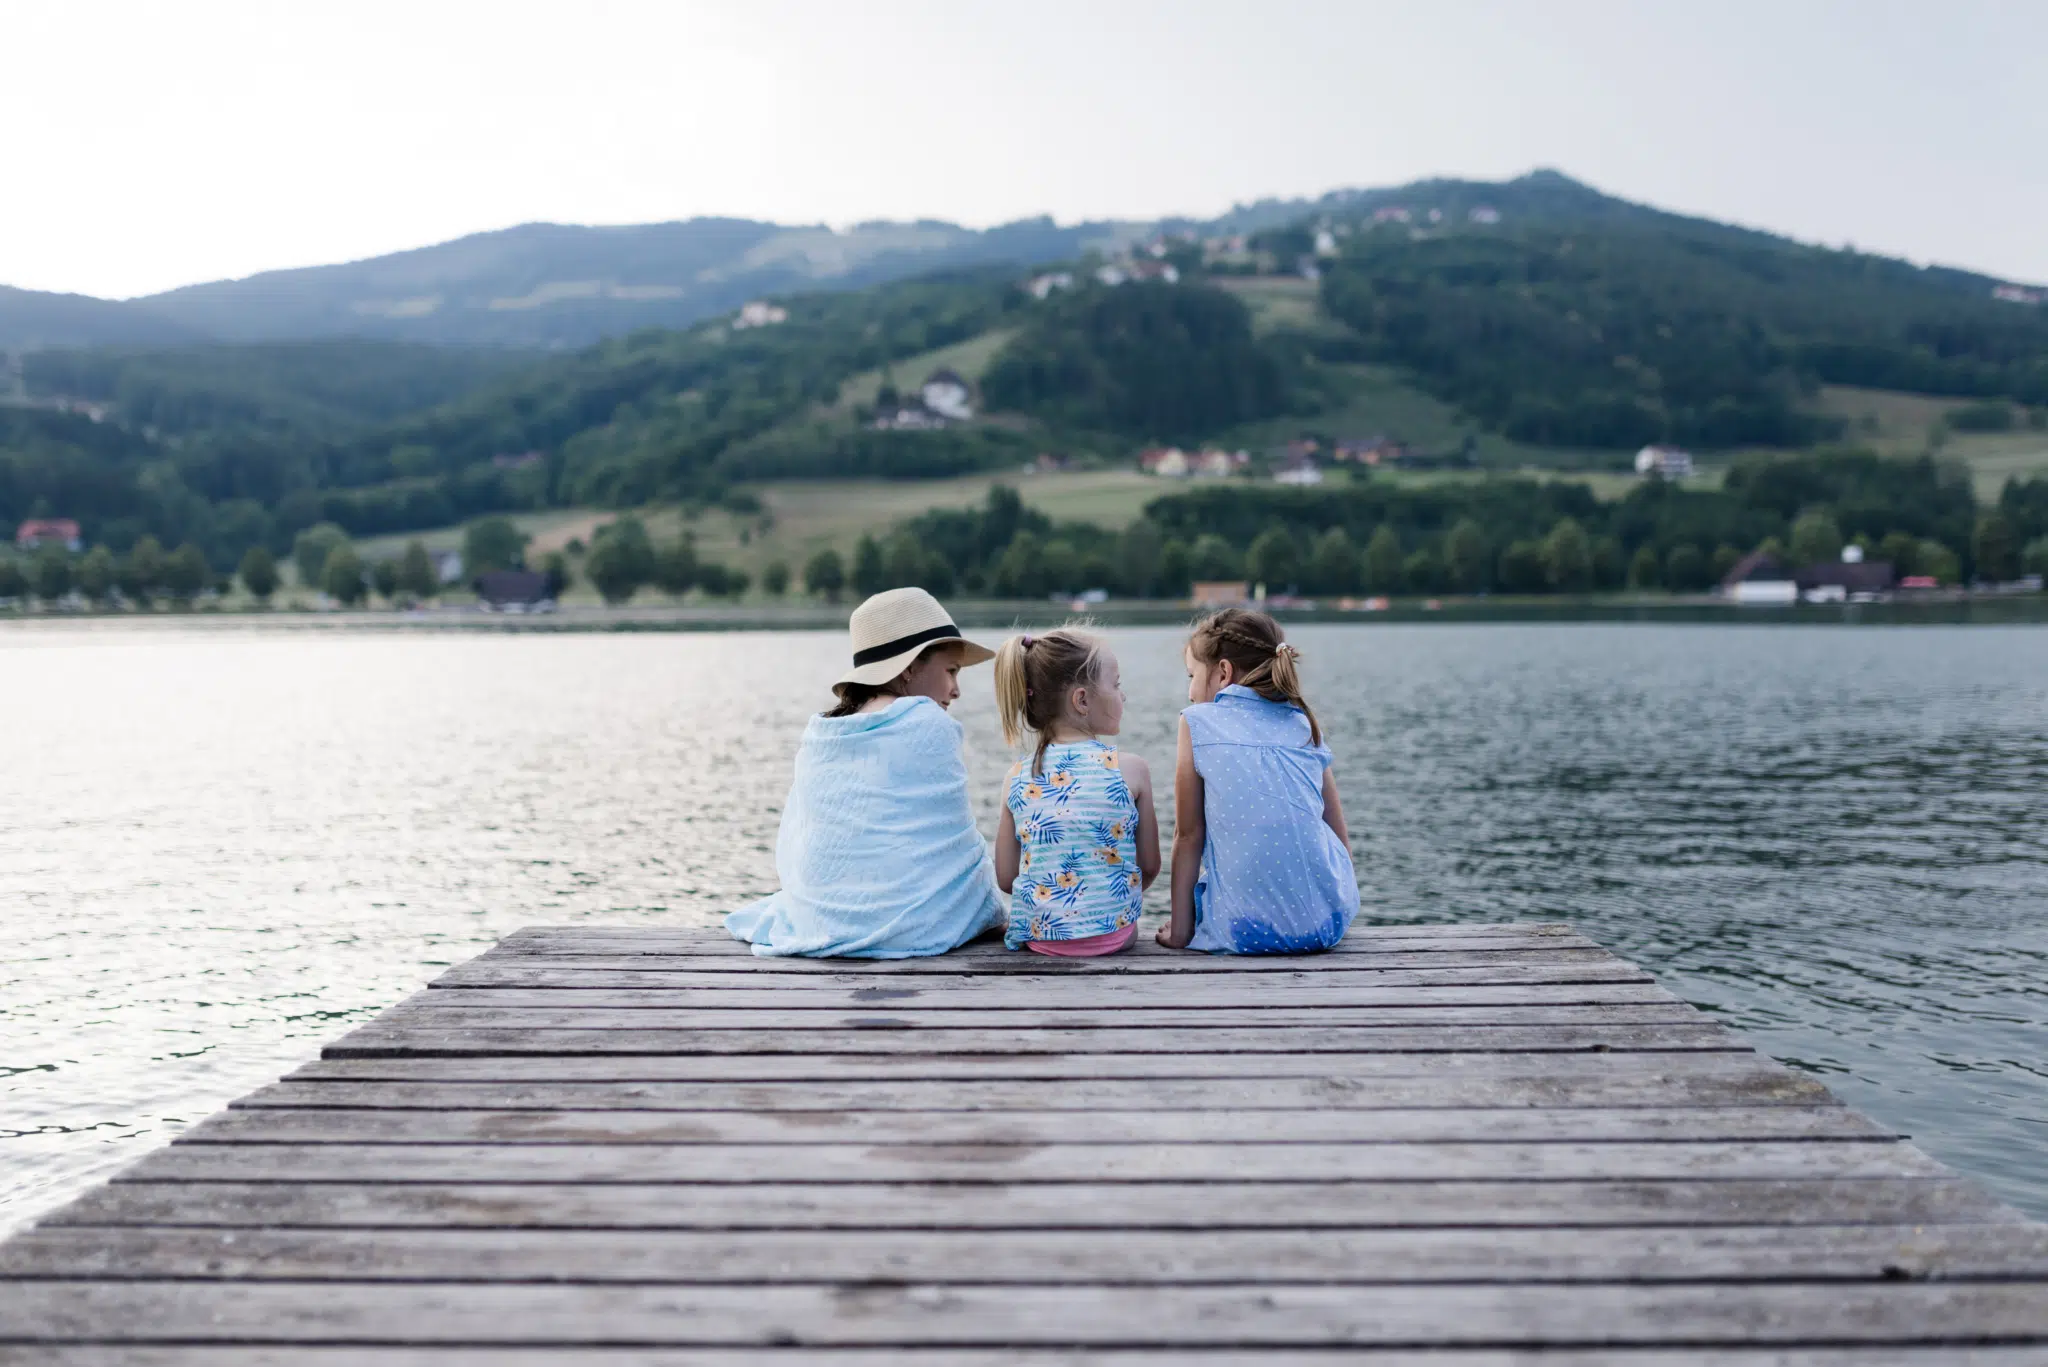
[225,848]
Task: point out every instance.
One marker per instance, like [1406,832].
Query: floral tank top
[1077,829]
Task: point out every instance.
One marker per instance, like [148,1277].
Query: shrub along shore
[1511,536]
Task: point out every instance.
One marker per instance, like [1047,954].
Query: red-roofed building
[48,531]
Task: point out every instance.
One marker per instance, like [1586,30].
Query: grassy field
[969,358]
[1901,425]
[1276,301]
[806,516]
[1375,401]
[551,531]
[809,516]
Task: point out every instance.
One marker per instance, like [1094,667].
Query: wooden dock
[1470,1146]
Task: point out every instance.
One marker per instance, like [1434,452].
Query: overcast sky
[147,145]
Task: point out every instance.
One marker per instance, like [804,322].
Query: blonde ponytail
[1033,675]
[1013,690]
[1260,658]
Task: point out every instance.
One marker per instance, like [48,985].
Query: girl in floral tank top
[1078,841]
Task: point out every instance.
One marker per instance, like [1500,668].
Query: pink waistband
[1088,947]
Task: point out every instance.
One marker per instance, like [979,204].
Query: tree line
[1502,535]
[1509,535]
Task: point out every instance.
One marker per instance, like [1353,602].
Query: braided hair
[1260,657]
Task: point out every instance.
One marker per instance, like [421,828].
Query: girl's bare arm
[1006,850]
[1333,807]
[1138,775]
[1189,833]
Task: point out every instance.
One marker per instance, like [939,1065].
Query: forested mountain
[1645,327]
[556,285]
[563,285]
[34,318]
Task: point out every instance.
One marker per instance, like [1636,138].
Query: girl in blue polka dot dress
[1261,858]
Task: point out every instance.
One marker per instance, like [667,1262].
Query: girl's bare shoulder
[1136,772]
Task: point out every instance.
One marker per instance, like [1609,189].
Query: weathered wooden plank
[1572,986]
[1042,1257]
[745,1165]
[838,1068]
[446,1355]
[882,1035]
[1762,1085]
[1192,1020]
[1041,1205]
[836,989]
[566,1006]
[895,1314]
[1005,964]
[1301,1125]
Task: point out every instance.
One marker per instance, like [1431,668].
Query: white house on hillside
[947,395]
[1668,461]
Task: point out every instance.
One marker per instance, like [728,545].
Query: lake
[225,846]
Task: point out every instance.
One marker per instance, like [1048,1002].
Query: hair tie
[1026,641]
[1285,649]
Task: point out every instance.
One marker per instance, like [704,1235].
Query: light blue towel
[878,853]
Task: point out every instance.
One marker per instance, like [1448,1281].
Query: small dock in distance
[1463,1146]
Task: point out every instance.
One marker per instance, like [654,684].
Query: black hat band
[902,643]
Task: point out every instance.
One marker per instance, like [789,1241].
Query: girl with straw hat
[878,852]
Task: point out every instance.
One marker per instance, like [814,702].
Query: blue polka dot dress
[1275,878]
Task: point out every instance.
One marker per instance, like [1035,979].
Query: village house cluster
[759,313]
[1238,253]
[1170,462]
[1297,462]
[1761,579]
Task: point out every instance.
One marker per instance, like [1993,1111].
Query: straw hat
[890,629]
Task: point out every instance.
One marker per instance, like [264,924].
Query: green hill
[1529,323]
[560,285]
[1666,329]
[555,285]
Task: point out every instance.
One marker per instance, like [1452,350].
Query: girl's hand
[1166,940]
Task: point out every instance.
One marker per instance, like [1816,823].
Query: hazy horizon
[246,138]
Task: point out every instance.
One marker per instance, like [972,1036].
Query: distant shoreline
[1701,610]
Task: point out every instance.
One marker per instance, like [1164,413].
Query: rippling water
[221,848]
